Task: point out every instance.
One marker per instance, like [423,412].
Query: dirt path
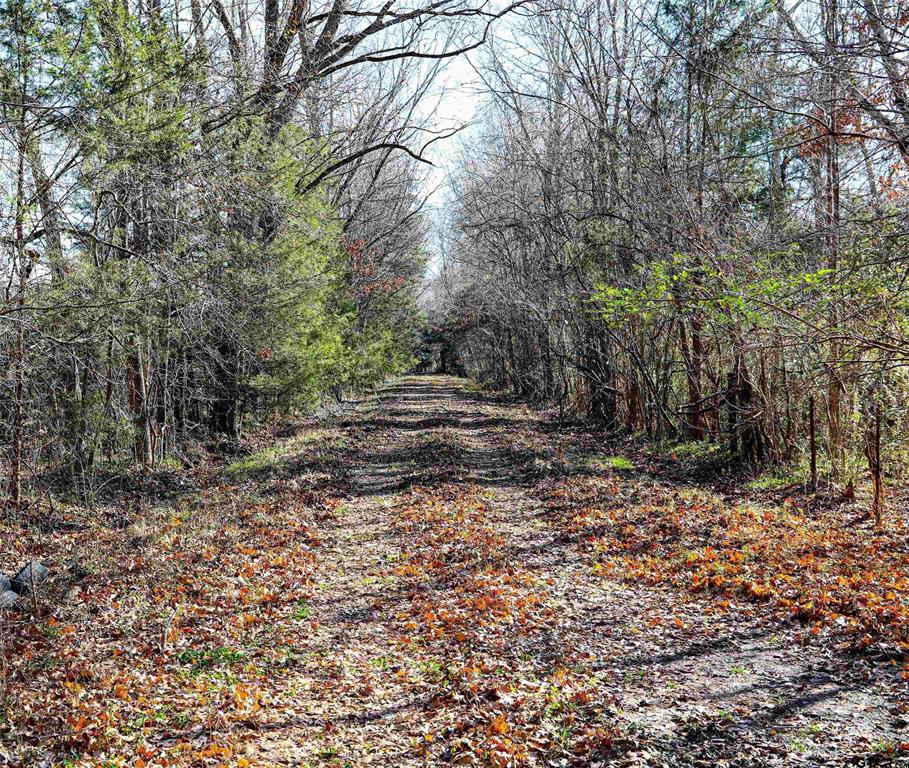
[453,623]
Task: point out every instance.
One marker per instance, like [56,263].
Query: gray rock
[30,577]
[5,586]
[8,599]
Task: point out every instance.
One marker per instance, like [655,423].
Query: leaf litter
[441,578]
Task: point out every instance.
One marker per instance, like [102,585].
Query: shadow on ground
[732,689]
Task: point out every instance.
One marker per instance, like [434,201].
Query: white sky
[457,97]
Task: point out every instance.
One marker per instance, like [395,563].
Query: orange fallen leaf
[499,725]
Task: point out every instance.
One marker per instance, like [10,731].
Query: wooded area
[213,212]
[514,383]
[688,219]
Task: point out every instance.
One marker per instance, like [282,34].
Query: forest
[454,382]
[688,221]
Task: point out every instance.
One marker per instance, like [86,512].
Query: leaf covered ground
[439,578]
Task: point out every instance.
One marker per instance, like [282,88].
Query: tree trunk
[15,474]
[812,441]
[834,377]
[692,356]
[137,394]
[873,454]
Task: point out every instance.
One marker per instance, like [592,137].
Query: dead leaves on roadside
[844,580]
[160,651]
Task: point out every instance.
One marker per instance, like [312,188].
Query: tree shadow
[432,432]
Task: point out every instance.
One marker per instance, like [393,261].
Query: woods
[684,220]
[213,214]
[688,219]
[416,383]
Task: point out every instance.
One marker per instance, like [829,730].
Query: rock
[8,599]
[5,586]
[30,577]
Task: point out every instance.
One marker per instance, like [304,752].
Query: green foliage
[194,284]
[309,337]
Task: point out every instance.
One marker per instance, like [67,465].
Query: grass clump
[201,659]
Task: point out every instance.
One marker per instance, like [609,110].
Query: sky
[457,96]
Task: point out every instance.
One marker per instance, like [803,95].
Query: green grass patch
[302,612]
[693,451]
[202,659]
[618,463]
[270,457]
[255,463]
[775,478]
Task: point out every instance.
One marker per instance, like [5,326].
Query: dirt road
[452,622]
